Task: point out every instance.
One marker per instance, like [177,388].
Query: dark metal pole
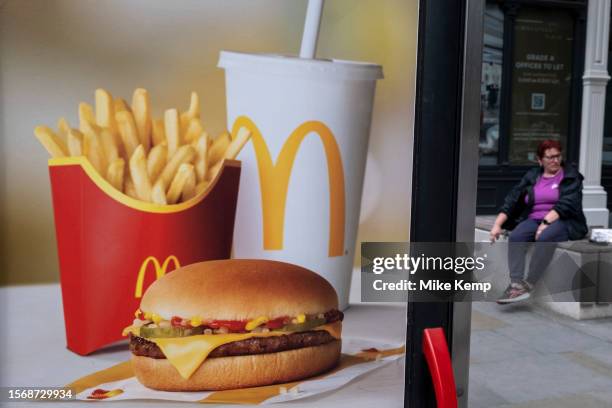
[435,179]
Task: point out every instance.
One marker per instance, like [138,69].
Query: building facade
[545,76]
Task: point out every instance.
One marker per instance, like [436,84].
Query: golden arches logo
[160,270]
[274,181]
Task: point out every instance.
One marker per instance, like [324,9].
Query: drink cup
[303,169]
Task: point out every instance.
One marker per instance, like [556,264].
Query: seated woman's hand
[539,231]
[495,233]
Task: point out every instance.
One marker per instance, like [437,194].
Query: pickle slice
[308,325]
[170,331]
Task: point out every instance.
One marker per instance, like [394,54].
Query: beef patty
[255,345]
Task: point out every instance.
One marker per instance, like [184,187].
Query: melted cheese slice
[186,354]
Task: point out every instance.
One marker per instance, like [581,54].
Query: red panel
[103,244]
[438,359]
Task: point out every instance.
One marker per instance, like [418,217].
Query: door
[531,89]
[445,173]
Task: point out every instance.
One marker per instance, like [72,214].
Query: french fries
[86,115]
[105,110]
[156,161]
[62,129]
[158,133]
[138,171]
[116,170]
[212,172]
[111,152]
[192,112]
[121,105]
[201,164]
[237,144]
[127,131]
[141,107]
[218,147]
[52,142]
[193,131]
[172,130]
[189,187]
[201,186]
[230,151]
[130,190]
[178,182]
[159,194]
[185,154]
[75,143]
[163,161]
[93,148]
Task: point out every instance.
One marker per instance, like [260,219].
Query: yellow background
[55,53]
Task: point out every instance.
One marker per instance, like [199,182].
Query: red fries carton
[111,246]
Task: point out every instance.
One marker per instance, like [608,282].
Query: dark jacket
[569,205]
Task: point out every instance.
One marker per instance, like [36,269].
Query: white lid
[295,66]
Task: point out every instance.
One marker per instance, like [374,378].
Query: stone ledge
[599,258]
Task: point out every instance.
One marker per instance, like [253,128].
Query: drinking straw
[311,29]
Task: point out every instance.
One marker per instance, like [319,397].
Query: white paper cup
[302,171]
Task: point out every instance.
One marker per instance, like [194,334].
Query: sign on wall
[541,80]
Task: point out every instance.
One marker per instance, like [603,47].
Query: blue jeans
[542,254]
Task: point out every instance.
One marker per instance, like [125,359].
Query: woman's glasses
[555,157]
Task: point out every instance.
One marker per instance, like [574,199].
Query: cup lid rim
[290,64]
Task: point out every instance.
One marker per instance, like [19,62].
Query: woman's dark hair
[548,144]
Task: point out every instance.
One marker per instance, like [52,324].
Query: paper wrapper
[111,247]
[358,357]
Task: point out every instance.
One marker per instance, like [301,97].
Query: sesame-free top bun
[239,289]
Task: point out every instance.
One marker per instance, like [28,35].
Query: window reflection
[490,90]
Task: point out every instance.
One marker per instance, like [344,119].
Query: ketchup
[230,325]
[276,323]
[176,321]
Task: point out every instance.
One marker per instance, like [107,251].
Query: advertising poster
[541,80]
[305,203]
[187,183]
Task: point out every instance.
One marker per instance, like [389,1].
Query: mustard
[256,322]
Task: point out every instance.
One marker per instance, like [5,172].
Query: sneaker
[515,292]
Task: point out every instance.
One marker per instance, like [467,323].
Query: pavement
[523,356]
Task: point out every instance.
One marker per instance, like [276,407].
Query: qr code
[538,101]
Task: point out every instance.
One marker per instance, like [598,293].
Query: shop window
[491,84]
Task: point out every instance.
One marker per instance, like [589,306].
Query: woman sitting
[545,206]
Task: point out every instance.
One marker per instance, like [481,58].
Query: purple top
[546,195]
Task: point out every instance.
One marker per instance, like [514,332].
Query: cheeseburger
[235,323]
